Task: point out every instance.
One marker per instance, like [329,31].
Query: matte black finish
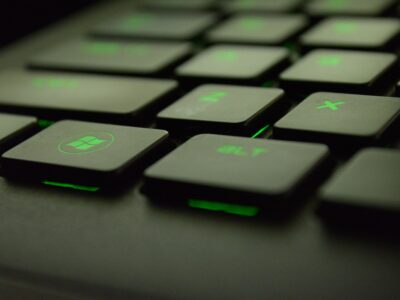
[93,97]
[262,29]
[367,188]
[222,109]
[235,169]
[339,70]
[156,25]
[261,5]
[237,64]
[12,126]
[353,33]
[81,152]
[139,57]
[341,120]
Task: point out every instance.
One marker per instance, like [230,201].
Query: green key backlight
[213,97]
[101,48]
[344,27]
[332,105]
[251,24]
[329,61]
[54,83]
[227,55]
[240,151]
[86,143]
[235,209]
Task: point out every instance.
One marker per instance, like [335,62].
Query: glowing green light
[261,131]
[138,21]
[336,3]
[240,151]
[227,55]
[268,84]
[329,61]
[345,27]
[213,97]
[102,48]
[331,105]
[235,209]
[87,143]
[45,123]
[71,186]
[251,24]
[56,83]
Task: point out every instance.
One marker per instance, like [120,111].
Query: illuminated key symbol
[251,24]
[344,27]
[87,143]
[213,97]
[102,48]
[258,151]
[232,150]
[227,55]
[47,82]
[137,21]
[331,105]
[329,61]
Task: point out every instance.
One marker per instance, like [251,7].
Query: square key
[349,7]
[227,168]
[366,189]
[130,57]
[156,25]
[256,29]
[339,71]
[82,153]
[340,120]
[221,109]
[262,6]
[237,64]
[346,32]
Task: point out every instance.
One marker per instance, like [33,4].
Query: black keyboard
[204,149]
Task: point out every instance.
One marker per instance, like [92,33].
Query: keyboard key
[398,88]
[234,64]
[349,7]
[156,25]
[90,97]
[343,121]
[12,127]
[83,153]
[337,70]
[359,33]
[221,109]
[366,189]
[226,168]
[112,57]
[261,6]
[271,29]
[177,4]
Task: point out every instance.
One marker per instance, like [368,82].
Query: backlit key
[261,5]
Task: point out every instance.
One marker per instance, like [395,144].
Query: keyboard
[204,149]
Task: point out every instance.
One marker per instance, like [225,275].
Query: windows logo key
[86,143]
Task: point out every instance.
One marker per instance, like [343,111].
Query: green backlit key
[75,152]
[357,33]
[366,189]
[349,7]
[234,64]
[226,168]
[222,109]
[13,127]
[262,6]
[89,97]
[156,25]
[340,71]
[254,29]
[343,121]
[146,58]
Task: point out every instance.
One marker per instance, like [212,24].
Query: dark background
[19,18]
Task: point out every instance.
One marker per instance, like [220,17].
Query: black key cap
[341,120]
[221,109]
[60,95]
[398,88]
[357,33]
[261,6]
[226,168]
[83,153]
[12,127]
[349,7]
[156,25]
[234,64]
[145,58]
[253,29]
[342,71]
[367,189]
[177,4]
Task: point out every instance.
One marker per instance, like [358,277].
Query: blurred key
[177,4]
[156,25]
[366,189]
[234,64]
[226,168]
[341,71]
[358,33]
[12,127]
[349,7]
[147,58]
[256,29]
[81,152]
[221,109]
[398,88]
[89,97]
[261,6]
[343,121]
